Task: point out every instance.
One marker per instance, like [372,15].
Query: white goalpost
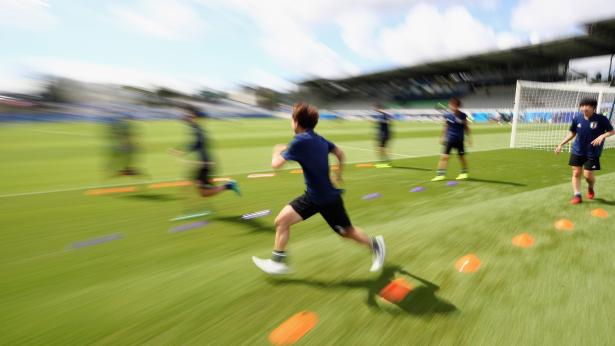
[543,112]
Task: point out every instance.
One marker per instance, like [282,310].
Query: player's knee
[444,157]
[281,222]
[576,173]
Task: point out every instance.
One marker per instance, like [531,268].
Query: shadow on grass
[255,225]
[422,300]
[604,201]
[511,183]
[153,197]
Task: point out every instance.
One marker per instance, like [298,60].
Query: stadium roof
[598,40]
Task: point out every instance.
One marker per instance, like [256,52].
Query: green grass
[200,286]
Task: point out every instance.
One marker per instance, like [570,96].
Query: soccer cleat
[590,193]
[271,267]
[438,178]
[462,176]
[379,253]
[232,185]
[576,200]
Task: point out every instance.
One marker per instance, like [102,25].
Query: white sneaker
[379,253]
[271,267]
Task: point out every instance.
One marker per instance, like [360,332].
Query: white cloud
[165,19]
[506,40]
[269,80]
[547,19]
[358,27]
[285,36]
[109,74]
[26,14]
[418,39]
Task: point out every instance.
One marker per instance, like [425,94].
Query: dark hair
[588,101]
[305,115]
[454,100]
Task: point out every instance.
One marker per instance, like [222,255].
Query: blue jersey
[455,128]
[587,130]
[384,121]
[200,142]
[311,151]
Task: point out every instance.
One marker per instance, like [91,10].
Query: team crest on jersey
[579,126]
[593,125]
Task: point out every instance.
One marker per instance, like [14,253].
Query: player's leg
[337,218]
[576,184]
[301,208]
[588,172]
[442,164]
[207,189]
[286,218]
[464,162]
[576,162]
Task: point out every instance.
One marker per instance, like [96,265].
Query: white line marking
[87,187]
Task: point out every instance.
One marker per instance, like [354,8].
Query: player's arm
[608,128]
[466,128]
[444,127]
[277,160]
[341,159]
[568,138]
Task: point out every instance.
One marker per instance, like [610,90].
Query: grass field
[200,286]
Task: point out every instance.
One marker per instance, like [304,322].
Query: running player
[383,119]
[312,151]
[199,145]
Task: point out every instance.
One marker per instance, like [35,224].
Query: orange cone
[468,264]
[364,165]
[396,290]
[564,225]
[294,328]
[296,171]
[523,240]
[601,213]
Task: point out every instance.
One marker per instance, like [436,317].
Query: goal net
[543,112]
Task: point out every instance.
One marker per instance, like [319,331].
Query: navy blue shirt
[384,121]
[311,151]
[455,128]
[587,130]
[200,143]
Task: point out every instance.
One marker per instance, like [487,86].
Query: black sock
[441,172]
[374,244]
[278,256]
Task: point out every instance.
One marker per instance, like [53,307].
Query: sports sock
[278,256]
[441,172]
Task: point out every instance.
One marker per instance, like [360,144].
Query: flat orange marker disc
[523,240]
[468,263]
[335,168]
[170,184]
[396,290]
[364,165]
[294,328]
[98,192]
[296,171]
[219,179]
[564,225]
[601,213]
[261,175]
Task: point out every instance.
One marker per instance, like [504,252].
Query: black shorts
[334,213]
[458,145]
[202,176]
[588,163]
[383,139]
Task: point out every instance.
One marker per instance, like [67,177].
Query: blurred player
[453,136]
[312,151]
[383,119]
[123,145]
[199,145]
[590,130]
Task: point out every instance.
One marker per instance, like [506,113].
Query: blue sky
[189,44]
